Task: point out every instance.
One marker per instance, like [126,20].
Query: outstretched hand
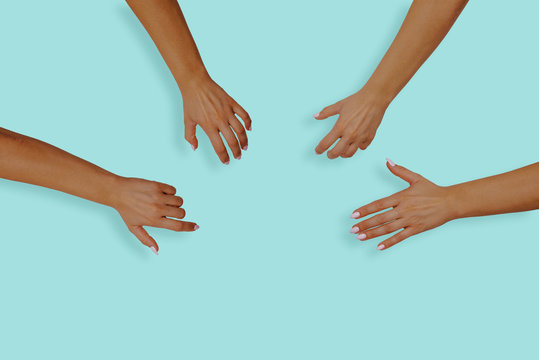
[359,117]
[207,105]
[148,203]
[421,207]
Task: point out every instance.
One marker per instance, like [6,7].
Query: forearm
[424,27]
[32,161]
[514,191]
[164,22]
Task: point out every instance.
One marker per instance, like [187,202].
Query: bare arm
[425,26]
[139,202]
[204,102]
[425,205]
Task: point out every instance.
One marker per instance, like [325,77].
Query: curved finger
[338,149]
[145,238]
[327,141]
[377,220]
[240,132]
[240,111]
[167,189]
[171,200]
[375,206]
[174,212]
[218,146]
[176,225]
[381,230]
[350,151]
[190,133]
[395,239]
[231,140]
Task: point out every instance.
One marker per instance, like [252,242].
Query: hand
[360,116]
[148,203]
[421,207]
[206,104]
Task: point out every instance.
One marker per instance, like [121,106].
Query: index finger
[243,115]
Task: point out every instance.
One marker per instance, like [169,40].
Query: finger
[381,230]
[144,238]
[352,148]
[176,225]
[327,112]
[243,115]
[375,206]
[174,212]
[175,201]
[240,132]
[402,172]
[218,146]
[395,239]
[327,141]
[231,140]
[167,189]
[190,133]
[377,220]
[338,149]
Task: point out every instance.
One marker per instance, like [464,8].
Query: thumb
[190,133]
[402,172]
[327,112]
[145,238]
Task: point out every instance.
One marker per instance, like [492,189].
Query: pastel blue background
[273,272]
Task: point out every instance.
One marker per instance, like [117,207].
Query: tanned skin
[139,202]
[425,205]
[425,26]
[205,103]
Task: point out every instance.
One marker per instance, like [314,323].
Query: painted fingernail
[316,115]
[238,158]
[193,147]
[245,147]
[197,227]
[381,247]
[249,128]
[227,162]
[391,163]
[362,236]
[154,250]
[355,215]
[354,230]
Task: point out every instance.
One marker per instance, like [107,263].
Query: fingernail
[250,128]
[316,115]
[227,162]
[193,147]
[354,230]
[197,227]
[154,251]
[362,236]
[381,247]
[239,157]
[245,147]
[391,163]
[355,215]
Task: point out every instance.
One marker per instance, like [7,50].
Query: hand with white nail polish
[359,117]
[148,203]
[360,114]
[425,205]
[140,202]
[205,103]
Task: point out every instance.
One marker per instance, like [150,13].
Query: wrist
[380,92]
[454,204]
[113,186]
[194,80]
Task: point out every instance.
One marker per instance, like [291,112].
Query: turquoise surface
[273,272]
